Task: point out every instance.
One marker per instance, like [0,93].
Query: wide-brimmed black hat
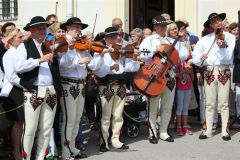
[38,20]
[214,15]
[111,31]
[73,20]
[159,20]
[99,36]
[26,28]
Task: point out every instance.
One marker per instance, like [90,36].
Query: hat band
[213,16]
[114,32]
[156,22]
[37,23]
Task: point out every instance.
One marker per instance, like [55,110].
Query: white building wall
[106,10]
[197,11]
[84,9]
[30,8]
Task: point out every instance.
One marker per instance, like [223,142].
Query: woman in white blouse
[12,90]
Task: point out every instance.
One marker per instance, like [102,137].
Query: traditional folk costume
[112,91]
[166,99]
[73,77]
[40,81]
[216,75]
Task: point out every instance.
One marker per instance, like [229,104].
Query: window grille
[8,9]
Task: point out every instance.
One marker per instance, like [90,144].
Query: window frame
[10,11]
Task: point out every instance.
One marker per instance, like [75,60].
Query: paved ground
[184,148]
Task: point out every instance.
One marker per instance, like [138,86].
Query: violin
[127,51]
[220,36]
[60,45]
[117,51]
[97,46]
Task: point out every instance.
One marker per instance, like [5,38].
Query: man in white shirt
[153,44]
[39,75]
[73,71]
[110,67]
[215,52]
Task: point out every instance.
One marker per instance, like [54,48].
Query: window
[8,9]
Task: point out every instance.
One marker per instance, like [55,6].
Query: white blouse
[10,77]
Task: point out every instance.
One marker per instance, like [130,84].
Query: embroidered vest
[28,78]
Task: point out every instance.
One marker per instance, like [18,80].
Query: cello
[151,79]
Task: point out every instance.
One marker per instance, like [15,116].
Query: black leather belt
[78,81]
[115,79]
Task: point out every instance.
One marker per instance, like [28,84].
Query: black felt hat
[111,31]
[73,20]
[214,15]
[38,20]
[159,20]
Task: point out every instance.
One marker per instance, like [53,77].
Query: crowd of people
[51,71]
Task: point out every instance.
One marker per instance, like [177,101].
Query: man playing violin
[73,71]
[153,45]
[109,66]
[39,74]
[215,54]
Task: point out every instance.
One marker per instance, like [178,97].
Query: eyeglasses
[61,31]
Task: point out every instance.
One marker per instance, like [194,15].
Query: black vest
[28,78]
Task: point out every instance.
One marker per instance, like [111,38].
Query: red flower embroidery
[209,77]
[24,154]
[223,78]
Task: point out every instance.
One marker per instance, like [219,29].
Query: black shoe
[81,147]
[80,156]
[226,138]
[170,135]
[103,148]
[153,140]
[124,147]
[169,139]
[202,136]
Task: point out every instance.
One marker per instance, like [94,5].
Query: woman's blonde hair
[170,27]
[10,36]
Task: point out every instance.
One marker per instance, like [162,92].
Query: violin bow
[238,32]
[211,46]
[54,31]
[94,25]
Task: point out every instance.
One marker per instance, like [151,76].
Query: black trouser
[129,80]
[90,103]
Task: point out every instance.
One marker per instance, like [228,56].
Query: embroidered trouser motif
[72,113]
[112,99]
[217,91]
[39,118]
